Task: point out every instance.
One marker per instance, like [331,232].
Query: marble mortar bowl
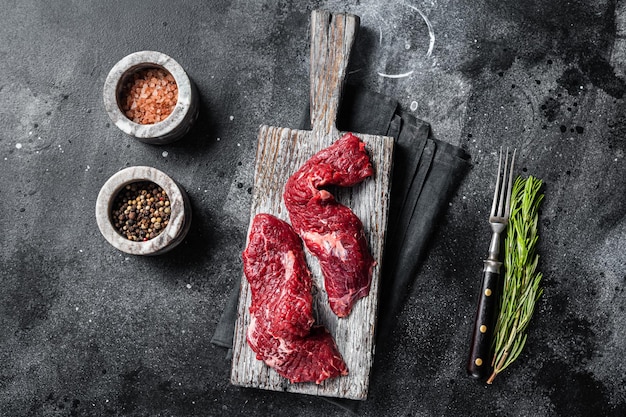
[172,128]
[170,236]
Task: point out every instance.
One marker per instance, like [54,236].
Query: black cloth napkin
[426,173]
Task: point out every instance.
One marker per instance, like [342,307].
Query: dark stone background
[88,331]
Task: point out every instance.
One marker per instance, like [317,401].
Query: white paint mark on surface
[431,31]
[18,145]
[403,75]
[408,44]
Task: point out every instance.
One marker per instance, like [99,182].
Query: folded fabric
[426,174]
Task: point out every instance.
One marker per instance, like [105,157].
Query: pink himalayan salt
[149,96]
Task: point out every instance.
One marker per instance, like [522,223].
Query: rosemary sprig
[521,288]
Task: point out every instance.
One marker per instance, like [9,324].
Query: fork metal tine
[502,194]
[508,194]
[495,193]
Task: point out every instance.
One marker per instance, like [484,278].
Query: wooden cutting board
[280,152]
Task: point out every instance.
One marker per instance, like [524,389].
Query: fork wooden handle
[479,363]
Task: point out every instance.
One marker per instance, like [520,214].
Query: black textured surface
[87,330]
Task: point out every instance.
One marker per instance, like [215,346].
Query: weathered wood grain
[280,152]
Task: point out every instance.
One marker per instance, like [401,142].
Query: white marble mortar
[172,128]
[172,234]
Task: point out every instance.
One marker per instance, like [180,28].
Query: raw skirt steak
[330,230]
[281,330]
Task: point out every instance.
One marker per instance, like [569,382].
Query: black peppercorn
[140,211]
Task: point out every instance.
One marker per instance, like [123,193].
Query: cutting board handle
[332,37]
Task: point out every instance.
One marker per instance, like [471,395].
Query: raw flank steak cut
[330,230]
[281,330]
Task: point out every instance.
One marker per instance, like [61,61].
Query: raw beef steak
[281,330]
[330,230]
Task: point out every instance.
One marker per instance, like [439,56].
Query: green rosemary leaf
[521,288]
[517,349]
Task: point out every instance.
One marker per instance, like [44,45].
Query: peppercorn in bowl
[149,96]
[142,211]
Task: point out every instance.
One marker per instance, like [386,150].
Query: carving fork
[478,365]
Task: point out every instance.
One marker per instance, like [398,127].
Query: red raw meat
[331,231]
[281,330]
